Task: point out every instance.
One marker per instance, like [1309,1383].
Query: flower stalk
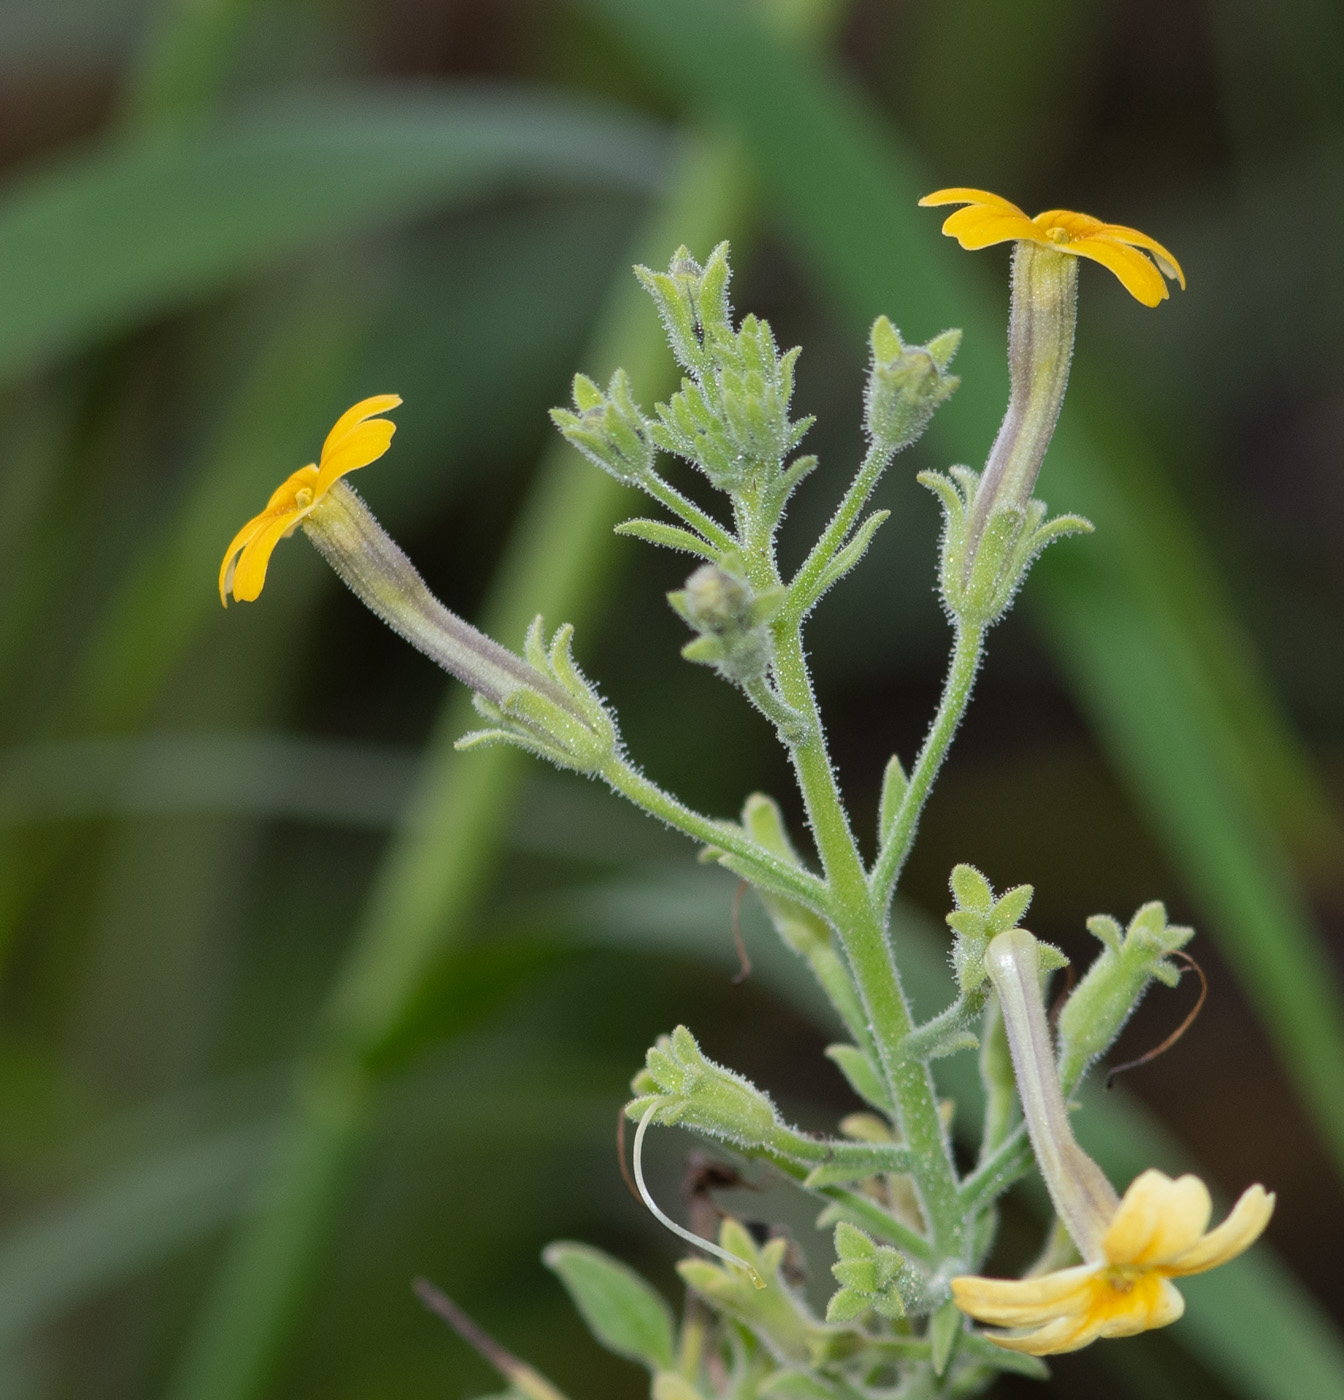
[1042,319]
[375,568]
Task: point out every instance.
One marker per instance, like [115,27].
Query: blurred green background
[296,1003]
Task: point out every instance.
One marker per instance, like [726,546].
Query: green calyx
[1100,1004]
[980,572]
[906,384]
[680,1084]
[570,726]
[978,917]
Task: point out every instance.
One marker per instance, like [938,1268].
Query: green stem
[862,932]
[828,967]
[787,720]
[763,866]
[702,523]
[966,656]
[806,583]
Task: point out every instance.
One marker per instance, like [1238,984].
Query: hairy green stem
[699,521]
[862,932]
[803,589]
[766,868]
[966,656]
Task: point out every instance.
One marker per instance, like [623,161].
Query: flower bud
[906,384]
[608,428]
[872,1277]
[732,620]
[692,301]
[1101,1003]
[680,1084]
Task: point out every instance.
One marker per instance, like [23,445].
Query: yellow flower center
[1123,1277]
[1058,235]
[303,497]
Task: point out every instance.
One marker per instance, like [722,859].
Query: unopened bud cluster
[608,428]
[732,621]
[906,383]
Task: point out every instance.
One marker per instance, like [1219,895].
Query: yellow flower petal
[1113,1310]
[975,227]
[1170,267]
[362,445]
[1243,1226]
[250,574]
[1158,1219]
[354,416]
[1137,275]
[1074,224]
[353,442]
[988,219]
[244,537]
[1025,1302]
[961,195]
[1064,1334]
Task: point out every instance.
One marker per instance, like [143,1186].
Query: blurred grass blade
[254,775]
[143,1214]
[849,192]
[133,229]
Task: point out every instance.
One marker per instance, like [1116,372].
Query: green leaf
[894,784]
[623,1312]
[669,536]
[112,236]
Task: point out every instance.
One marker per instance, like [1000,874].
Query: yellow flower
[988,219]
[1157,1234]
[357,439]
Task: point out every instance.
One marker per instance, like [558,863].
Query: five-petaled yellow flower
[357,439]
[988,219]
[1157,1234]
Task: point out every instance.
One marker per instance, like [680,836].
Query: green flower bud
[1101,1003]
[732,620]
[693,303]
[906,384]
[680,1084]
[608,428]
[872,1277]
[979,917]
